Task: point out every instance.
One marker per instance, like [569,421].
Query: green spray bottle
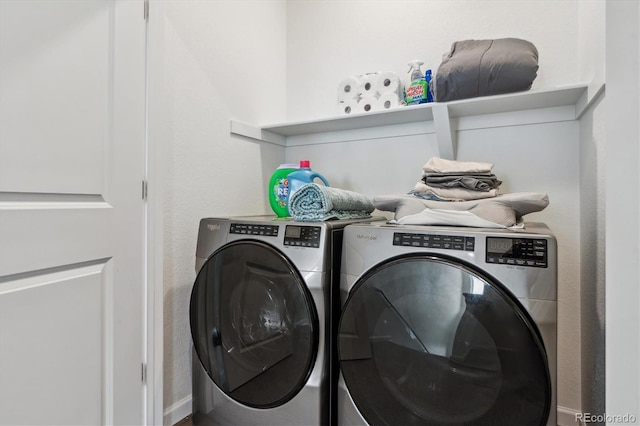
[416,92]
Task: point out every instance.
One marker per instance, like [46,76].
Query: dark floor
[185,422]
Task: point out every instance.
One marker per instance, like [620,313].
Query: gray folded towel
[452,180]
[475,182]
[317,203]
[452,194]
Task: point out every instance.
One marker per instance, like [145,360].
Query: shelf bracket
[445,132]
[248,131]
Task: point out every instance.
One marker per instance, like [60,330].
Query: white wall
[592,257]
[591,38]
[591,44]
[218,61]
[623,210]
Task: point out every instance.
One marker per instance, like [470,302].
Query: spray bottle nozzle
[415,66]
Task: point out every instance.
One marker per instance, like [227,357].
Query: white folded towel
[440,165]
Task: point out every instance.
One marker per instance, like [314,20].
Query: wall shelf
[443,115]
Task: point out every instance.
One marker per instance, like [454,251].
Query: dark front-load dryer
[261,318]
[447,326]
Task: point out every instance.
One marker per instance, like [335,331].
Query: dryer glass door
[254,324]
[425,340]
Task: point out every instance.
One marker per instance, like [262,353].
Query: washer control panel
[434,241]
[302,236]
[254,229]
[517,251]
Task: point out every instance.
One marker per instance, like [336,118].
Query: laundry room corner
[268,62]
[211,70]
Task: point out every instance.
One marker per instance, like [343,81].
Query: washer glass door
[253,323]
[426,340]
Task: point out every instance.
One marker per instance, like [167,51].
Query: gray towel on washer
[317,203]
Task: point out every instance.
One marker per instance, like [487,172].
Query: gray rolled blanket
[485,67]
[317,203]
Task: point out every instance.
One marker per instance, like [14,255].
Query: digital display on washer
[499,245]
[292,231]
[517,251]
[302,236]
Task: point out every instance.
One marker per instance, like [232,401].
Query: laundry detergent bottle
[303,176]
[279,189]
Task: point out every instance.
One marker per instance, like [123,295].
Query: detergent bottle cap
[305,164]
[288,166]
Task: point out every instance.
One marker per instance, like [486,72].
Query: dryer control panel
[434,241]
[517,251]
[254,229]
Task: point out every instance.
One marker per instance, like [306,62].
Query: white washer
[447,326]
[262,318]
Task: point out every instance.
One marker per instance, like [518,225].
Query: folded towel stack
[447,180]
[317,203]
[473,188]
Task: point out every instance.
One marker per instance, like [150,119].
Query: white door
[72,88]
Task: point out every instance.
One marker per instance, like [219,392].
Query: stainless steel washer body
[262,317]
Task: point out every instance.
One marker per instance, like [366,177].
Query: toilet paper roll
[389,82]
[348,107]
[368,85]
[389,101]
[349,88]
[368,104]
